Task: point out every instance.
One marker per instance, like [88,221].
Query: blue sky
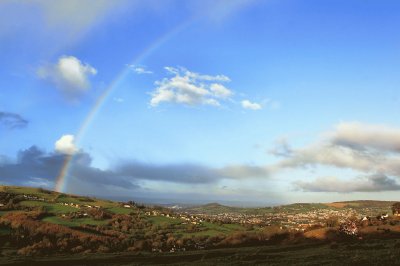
[261,102]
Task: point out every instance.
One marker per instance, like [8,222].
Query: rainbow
[102,98]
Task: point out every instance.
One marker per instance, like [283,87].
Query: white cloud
[66,145]
[190,88]
[69,74]
[246,104]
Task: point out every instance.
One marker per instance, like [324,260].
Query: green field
[50,207]
[120,210]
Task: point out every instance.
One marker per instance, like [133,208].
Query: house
[396,209]
[382,217]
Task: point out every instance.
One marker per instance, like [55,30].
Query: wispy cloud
[12,120]
[219,10]
[140,69]
[73,17]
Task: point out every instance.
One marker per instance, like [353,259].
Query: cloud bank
[371,150]
[35,167]
[372,183]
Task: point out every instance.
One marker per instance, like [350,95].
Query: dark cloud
[34,166]
[12,120]
[372,183]
[31,163]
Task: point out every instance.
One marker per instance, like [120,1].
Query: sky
[256,102]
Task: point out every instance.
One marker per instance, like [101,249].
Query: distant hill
[215,208]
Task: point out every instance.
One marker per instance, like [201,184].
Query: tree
[332,221]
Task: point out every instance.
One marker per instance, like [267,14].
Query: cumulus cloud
[246,104]
[372,183]
[69,75]
[190,88]
[66,145]
[12,120]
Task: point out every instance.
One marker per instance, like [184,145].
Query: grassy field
[120,210]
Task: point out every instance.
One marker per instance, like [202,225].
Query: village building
[396,209]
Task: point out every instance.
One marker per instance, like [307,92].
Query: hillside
[51,227]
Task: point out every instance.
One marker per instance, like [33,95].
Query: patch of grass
[224,228]
[120,210]
[50,207]
[211,229]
